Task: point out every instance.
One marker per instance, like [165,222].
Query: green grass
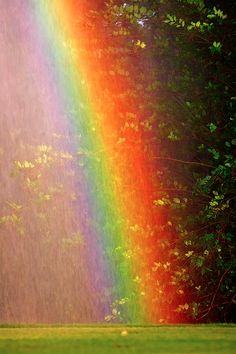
[109,339]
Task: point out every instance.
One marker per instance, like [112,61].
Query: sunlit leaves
[217,13]
[140,44]
[15,206]
[11,219]
[116,309]
[160,202]
[22,165]
[75,240]
[189,254]
[66,156]
[44,148]
[182,308]
[173,21]
[44,197]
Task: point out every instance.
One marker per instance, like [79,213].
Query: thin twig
[175,190]
[214,296]
[183,161]
[205,227]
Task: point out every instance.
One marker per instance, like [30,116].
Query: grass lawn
[118,339]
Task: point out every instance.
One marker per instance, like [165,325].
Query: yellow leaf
[189,253]
[140,44]
[14,205]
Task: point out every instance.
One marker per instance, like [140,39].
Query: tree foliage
[182,54]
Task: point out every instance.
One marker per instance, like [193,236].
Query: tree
[188,98]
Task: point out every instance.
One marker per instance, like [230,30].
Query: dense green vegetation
[116,339]
[185,100]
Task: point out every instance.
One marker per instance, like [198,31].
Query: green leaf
[212,127]
[215,48]
[233,141]
[215,154]
[143,10]
[129,8]
[199,261]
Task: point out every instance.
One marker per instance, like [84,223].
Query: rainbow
[114,171]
